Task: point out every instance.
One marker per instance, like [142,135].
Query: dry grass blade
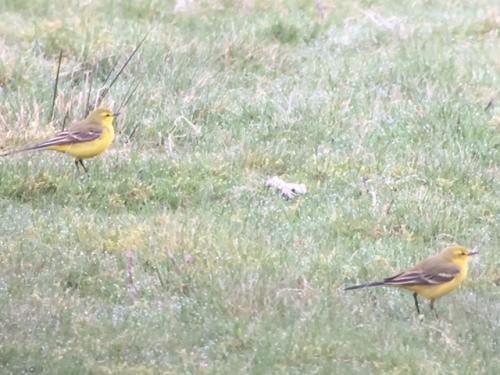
[65,119]
[104,92]
[131,262]
[133,132]
[110,73]
[56,83]
[87,104]
[130,92]
[320,8]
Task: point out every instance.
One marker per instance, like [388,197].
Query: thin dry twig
[130,92]
[56,83]
[66,115]
[132,132]
[110,73]
[104,92]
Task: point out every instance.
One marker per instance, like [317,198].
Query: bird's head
[103,116]
[458,254]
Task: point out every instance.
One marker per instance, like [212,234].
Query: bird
[432,278]
[84,139]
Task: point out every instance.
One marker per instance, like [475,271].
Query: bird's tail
[40,146]
[376,283]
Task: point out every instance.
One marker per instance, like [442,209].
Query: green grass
[380,108]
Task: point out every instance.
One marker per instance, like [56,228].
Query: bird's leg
[416,302]
[83,166]
[77,167]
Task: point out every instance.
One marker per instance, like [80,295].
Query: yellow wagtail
[433,277]
[83,139]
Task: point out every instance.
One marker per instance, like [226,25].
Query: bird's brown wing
[77,133]
[68,138]
[431,274]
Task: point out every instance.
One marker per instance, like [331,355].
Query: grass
[380,108]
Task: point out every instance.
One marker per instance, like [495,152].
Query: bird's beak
[473,252]
[116,114]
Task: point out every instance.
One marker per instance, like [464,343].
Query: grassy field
[172,257]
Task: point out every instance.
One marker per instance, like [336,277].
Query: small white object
[288,189]
[182,5]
